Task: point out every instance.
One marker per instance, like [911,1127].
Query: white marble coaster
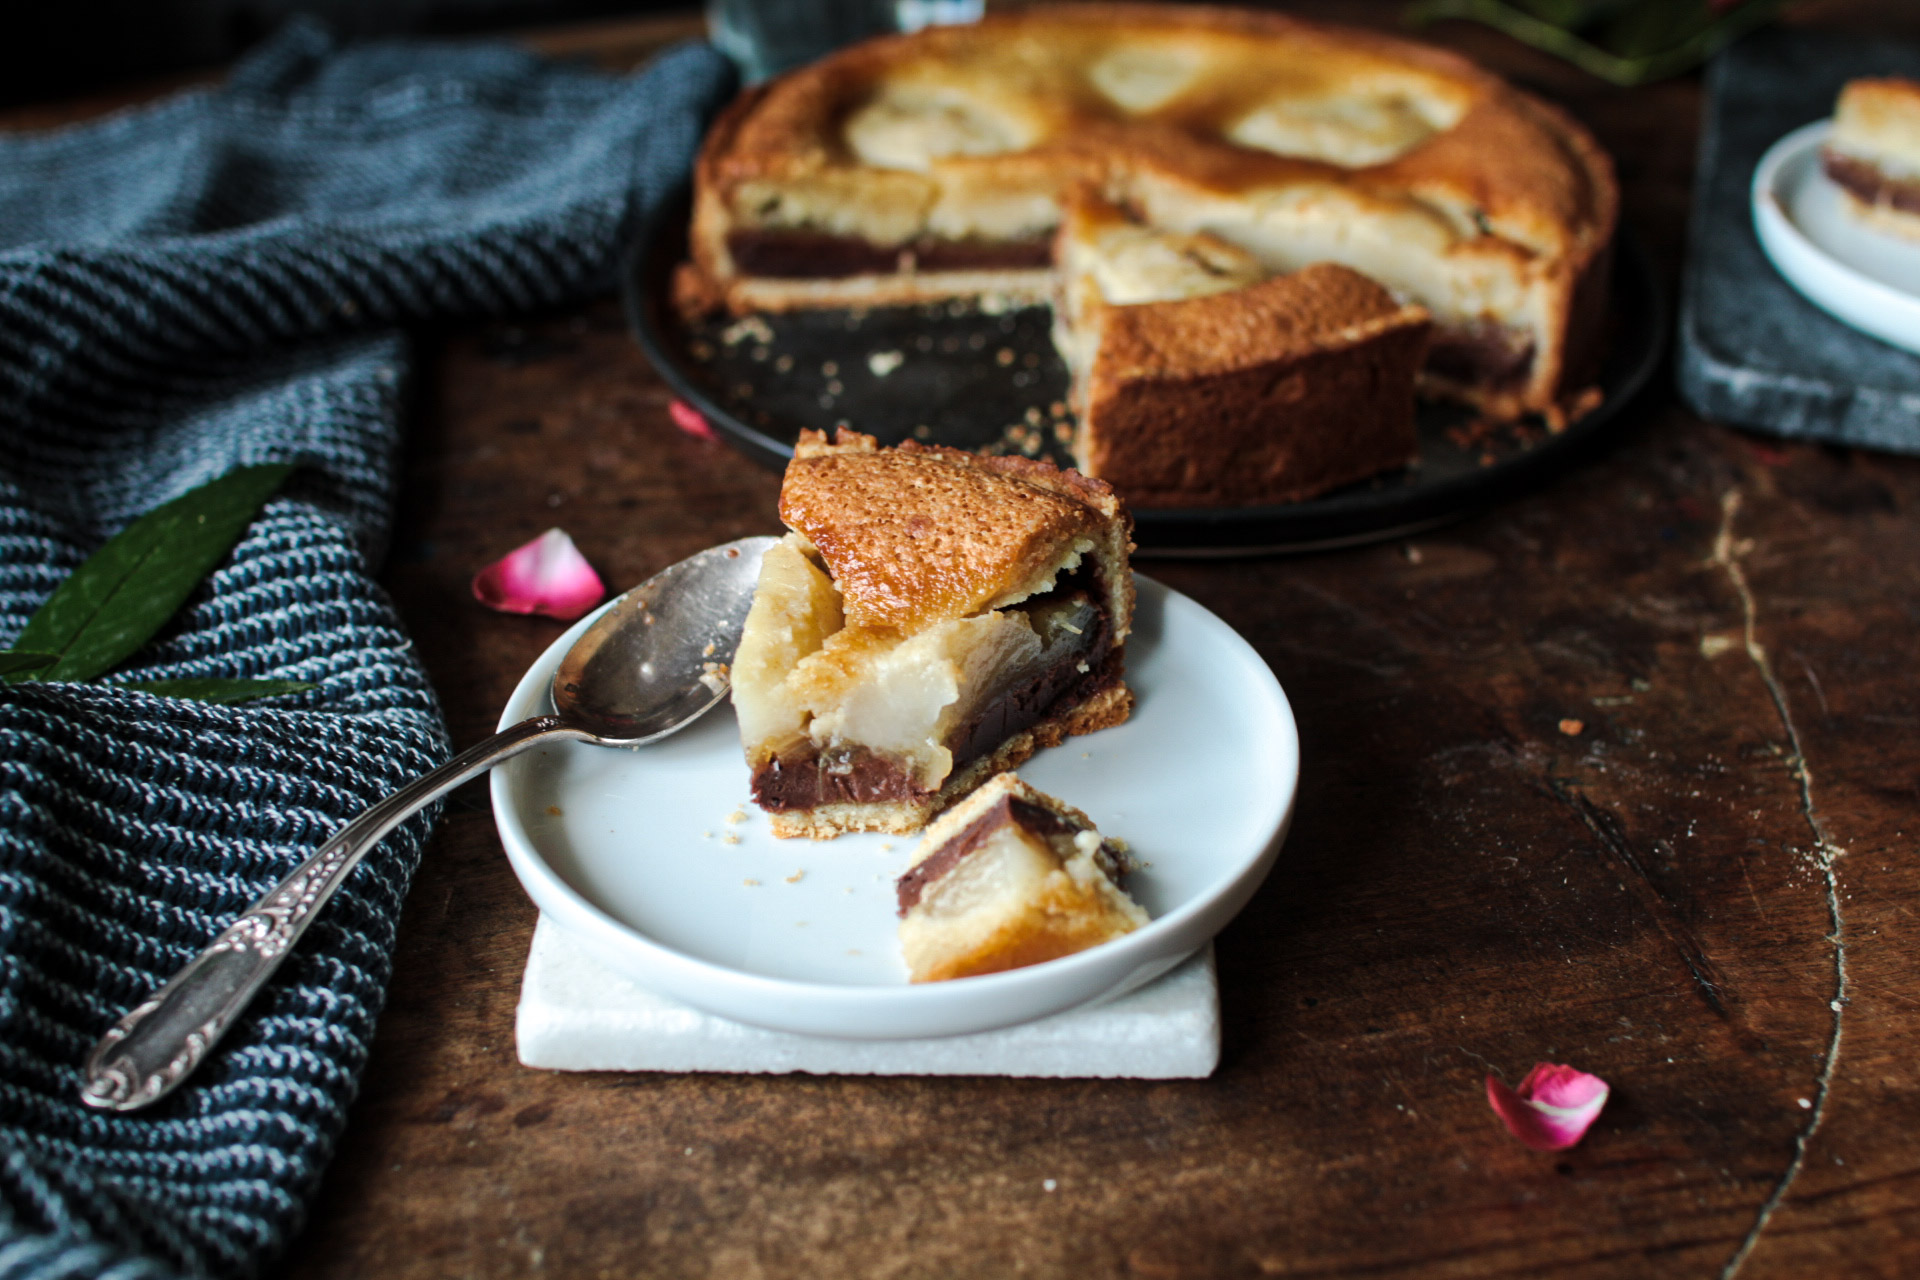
[578,1015]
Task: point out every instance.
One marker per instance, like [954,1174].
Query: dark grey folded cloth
[217,280]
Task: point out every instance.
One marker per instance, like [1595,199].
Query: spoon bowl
[654,662]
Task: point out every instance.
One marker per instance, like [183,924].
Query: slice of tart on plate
[933,618]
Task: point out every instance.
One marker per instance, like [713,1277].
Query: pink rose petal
[1553,1107]
[689,420]
[547,576]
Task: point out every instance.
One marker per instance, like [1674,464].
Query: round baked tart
[1239,147]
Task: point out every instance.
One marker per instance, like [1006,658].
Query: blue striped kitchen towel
[222,279]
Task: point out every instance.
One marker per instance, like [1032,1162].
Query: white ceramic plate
[656,860]
[1865,278]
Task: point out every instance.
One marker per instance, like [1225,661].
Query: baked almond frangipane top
[919,535]
[933,618]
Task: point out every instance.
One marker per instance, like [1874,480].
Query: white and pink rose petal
[547,576]
[1552,1109]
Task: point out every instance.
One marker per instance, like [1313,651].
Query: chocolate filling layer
[804,779]
[1038,820]
[1869,183]
[1482,353]
[1023,706]
[942,860]
[788,254]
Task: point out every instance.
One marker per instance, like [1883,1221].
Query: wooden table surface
[1706,894]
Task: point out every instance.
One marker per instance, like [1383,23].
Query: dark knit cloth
[219,280]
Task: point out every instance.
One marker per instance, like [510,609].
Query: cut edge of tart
[1011,877]
[1306,380]
[933,618]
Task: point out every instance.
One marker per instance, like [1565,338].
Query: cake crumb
[1573,728]
[751,884]
[783,365]
[553,811]
[738,815]
[922,431]
[853,951]
[830,369]
[1003,357]
[887,847]
[797,876]
[730,838]
[882,363]
[750,327]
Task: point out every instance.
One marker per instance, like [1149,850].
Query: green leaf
[215,690]
[1691,37]
[126,591]
[13,660]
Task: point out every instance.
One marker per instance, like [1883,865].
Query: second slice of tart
[1007,878]
[1873,153]
[933,618]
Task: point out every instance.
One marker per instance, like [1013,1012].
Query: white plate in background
[634,853]
[1863,277]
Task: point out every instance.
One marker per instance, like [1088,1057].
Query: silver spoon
[649,666]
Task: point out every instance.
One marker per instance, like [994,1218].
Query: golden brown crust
[919,535]
[1319,309]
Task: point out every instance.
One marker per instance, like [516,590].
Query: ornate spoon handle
[144,1056]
